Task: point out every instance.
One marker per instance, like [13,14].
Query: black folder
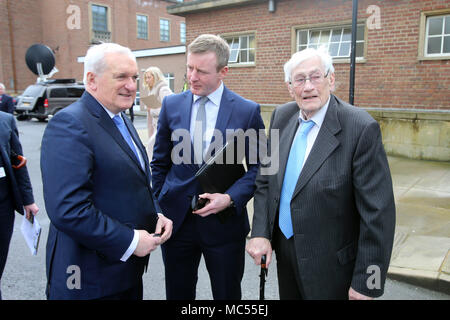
[217,175]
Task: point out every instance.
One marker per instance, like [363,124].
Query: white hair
[300,56]
[94,61]
[2,86]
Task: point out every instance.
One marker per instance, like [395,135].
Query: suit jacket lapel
[324,145]
[287,138]
[107,123]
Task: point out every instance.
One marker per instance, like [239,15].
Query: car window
[33,91]
[58,92]
[75,92]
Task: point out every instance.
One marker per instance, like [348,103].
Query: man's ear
[91,82]
[291,92]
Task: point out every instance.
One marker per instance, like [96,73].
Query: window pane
[435,26]
[314,37]
[244,44]
[300,48]
[303,37]
[345,49]
[99,18]
[434,45]
[360,33]
[333,50]
[446,45]
[252,42]
[244,56]
[324,37]
[251,55]
[447,25]
[336,36]
[233,56]
[164,30]
[359,49]
[347,36]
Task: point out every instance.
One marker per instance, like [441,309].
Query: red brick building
[69,27]
[403,58]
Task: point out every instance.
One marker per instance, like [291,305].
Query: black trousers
[182,254]
[289,282]
[6,230]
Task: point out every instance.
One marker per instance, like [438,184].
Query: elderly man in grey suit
[329,211]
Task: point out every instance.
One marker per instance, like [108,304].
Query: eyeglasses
[315,79]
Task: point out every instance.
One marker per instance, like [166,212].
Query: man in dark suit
[15,186]
[97,191]
[201,232]
[6,102]
[331,223]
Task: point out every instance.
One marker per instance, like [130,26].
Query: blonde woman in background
[156,84]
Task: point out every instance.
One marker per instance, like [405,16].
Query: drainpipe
[271,6]
[11,43]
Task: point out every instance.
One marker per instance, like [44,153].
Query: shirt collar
[319,116]
[215,96]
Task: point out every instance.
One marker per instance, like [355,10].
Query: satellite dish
[40,59]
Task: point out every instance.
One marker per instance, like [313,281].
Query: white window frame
[183,32]
[442,36]
[170,77]
[328,42]
[163,31]
[236,49]
[139,36]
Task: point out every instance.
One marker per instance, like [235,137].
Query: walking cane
[262,276]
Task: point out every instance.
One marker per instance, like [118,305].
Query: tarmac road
[24,276]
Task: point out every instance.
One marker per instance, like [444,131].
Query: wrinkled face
[202,73]
[2,91]
[116,87]
[311,86]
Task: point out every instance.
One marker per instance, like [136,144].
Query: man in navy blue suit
[6,102]
[15,187]
[97,187]
[201,232]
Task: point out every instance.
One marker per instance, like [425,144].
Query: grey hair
[300,56]
[211,43]
[94,61]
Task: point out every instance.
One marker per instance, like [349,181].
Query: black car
[44,99]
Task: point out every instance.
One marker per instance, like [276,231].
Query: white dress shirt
[318,118]
[212,110]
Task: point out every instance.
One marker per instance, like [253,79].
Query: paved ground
[420,253]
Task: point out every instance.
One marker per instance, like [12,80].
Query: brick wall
[391,76]
[45,21]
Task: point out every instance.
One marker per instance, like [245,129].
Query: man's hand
[353,295]
[257,247]
[31,209]
[146,244]
[216,203]
[164,227]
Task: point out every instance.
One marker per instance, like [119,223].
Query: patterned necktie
[291,175]
[199,131]
[125,134]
